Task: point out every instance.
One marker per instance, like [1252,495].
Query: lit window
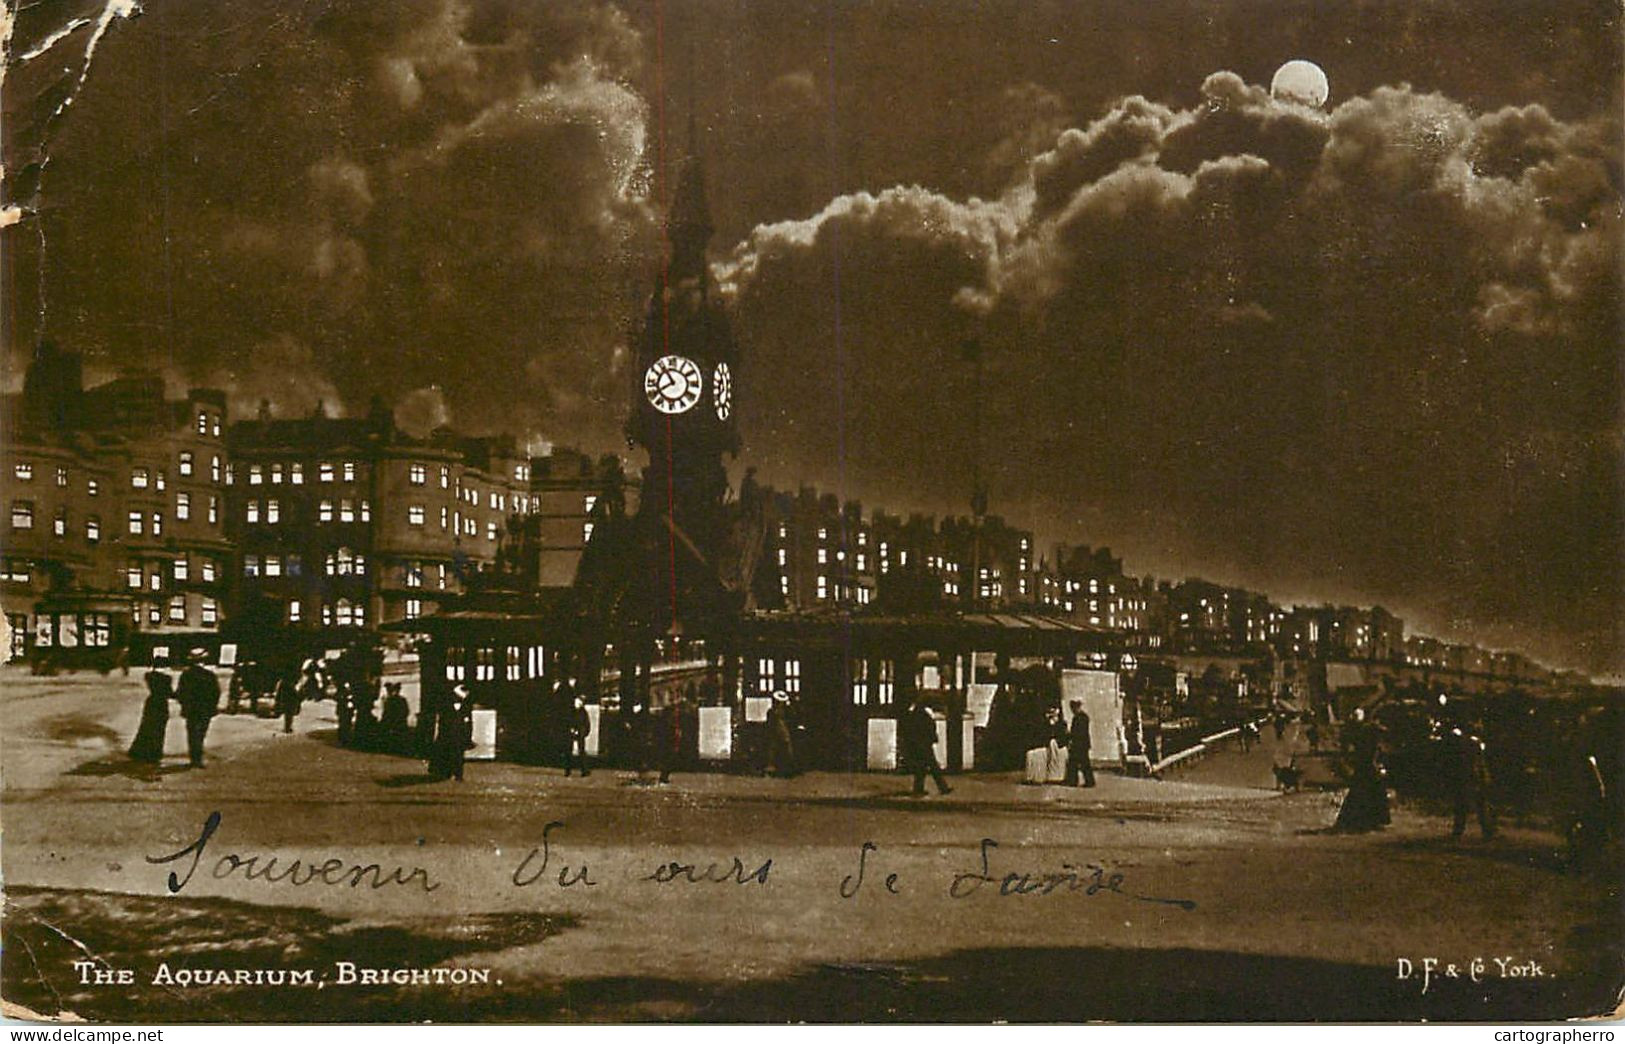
[485,668]
[414,608]
[59,524]
[324,472]
[183,506]
[792,676]
[823,555]
[92,487]
[296,477]
[349,471]
[273,565]
[153,615]
[24,471]
[202,422]
[214,509]
[214,470]
[513,665]
[454,663]
[252,508]
[414,515]
[182,569]
[442,568]
[783,555]
[325,512]
[214,425]
[823,586]
[273,510]
[256,475]
[209,613]
[93,529]
[184,463]
[276,474]
[586,532]
[293,610]
[208,570]
[490,531]
[444,515]
[346,510]
[366,510]
[417,474]
[139,478]
[132,575]
[495,501]
[413,574]
[137,526]
[61,476]
[251,565]
[344,613]
[177,609]
[445,477]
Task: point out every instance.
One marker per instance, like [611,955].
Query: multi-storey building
[115,511]
[345,523]
[1347,633]
[567,493]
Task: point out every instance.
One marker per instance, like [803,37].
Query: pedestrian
[452,735]
[580,727]
[344,702]
[392,726]
[1244,736]
[1313,735]
[1467,780]
[285,702]
[781,748]
[917,743]
[1077,748]
[1365,806]
[198,693]
[148,744]
[668,739]
[234,690]
[1280,726]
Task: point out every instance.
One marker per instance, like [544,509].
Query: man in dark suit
[917,743]
[198,693]
[580,725]
[1077,748]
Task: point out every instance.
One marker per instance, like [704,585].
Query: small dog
[1288,776]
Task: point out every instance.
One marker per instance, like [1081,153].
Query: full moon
[1302,82]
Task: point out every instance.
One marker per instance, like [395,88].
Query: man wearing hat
[198,693]
[1077,748]
[781,751]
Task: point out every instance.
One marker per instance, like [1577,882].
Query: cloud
[422,410]
[1270,336]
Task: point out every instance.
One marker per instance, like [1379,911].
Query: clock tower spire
[682,414]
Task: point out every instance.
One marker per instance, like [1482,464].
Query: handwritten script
[545,866]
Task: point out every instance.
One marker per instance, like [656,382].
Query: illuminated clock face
[672,384]
[722,391]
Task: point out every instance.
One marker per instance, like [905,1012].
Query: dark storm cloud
[1373,346]
[384,196]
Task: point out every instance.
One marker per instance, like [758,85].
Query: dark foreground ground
[1207,898]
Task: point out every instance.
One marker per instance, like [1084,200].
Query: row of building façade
[139,522]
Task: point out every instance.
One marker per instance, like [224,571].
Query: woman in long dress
[1365,807]
[148,745]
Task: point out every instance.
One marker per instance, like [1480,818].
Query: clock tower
[683,416]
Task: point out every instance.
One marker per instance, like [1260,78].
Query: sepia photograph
[811,511]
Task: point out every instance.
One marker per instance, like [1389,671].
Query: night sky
[1367,352]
